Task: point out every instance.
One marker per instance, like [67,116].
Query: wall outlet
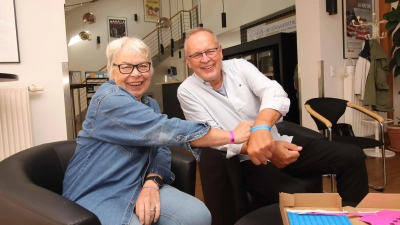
[333,71]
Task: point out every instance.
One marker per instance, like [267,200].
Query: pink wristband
[232,140]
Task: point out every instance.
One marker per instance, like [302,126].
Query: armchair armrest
[23,202]
[184,167]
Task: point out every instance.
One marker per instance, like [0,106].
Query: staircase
[163,42]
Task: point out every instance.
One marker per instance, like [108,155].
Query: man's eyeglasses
[209,53]
[128,68]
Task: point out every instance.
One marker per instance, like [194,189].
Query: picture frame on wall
[152,10]
[9,49]
[354,34]
[117,27]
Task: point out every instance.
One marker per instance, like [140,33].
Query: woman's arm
[215,137]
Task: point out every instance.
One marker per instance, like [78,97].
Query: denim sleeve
[161,163]
[117,117]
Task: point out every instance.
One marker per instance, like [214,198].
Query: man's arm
[194,111]
[261,143]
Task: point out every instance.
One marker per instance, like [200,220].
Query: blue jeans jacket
[122,140]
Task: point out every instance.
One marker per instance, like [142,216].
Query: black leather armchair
[31,185]
[222,183]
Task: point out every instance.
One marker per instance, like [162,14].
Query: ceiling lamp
[223,15]
[85,36]
[163,22]
[89,18]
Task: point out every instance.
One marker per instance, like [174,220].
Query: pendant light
[89,18]
[200,22]
[223,15]
[163,22]
[83,35]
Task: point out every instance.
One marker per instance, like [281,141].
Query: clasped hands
[261,147]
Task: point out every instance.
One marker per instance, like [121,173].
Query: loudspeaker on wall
[135,16]
[98,39]
[331,7]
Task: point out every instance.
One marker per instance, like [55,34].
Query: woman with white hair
[121,167]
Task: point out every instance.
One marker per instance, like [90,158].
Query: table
[269,214]
[4,77]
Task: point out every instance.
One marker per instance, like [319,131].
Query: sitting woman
[121,166]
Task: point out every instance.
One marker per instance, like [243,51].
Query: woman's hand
[148,203]
[242,132]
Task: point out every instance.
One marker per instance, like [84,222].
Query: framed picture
[117,27]
[152,10]
[9,51]
[354,34]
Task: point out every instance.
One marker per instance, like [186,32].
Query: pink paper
[384,217]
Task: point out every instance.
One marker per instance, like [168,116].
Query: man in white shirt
[223,93]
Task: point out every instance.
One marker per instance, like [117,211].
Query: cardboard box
[333,202]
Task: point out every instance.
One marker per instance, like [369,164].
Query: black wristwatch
[156,179]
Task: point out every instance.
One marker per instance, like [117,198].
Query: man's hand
[260,146]
[285,153]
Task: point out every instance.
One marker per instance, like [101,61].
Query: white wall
[319,38]
[42,48]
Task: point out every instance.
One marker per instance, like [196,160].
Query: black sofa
[31,185]
[222,181]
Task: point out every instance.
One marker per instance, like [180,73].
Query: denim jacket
[121,141]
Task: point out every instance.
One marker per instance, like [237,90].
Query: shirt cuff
[233,149]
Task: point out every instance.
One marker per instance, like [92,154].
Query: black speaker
[135,16]
[331,6]
[172,43]
[162,49]
[180,54]
[223,16]
[172,52]
[98,39]
[200,25]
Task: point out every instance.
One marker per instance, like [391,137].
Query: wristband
[232,140]
[260,127]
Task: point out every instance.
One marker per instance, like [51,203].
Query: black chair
[31,185]
[223,185]
[326,113]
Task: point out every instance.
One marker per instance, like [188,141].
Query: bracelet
[260,127]
[151,188]
[232,140]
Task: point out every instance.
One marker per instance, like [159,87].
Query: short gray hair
[197,30]
[132,45]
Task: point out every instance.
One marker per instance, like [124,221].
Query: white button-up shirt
[248,92]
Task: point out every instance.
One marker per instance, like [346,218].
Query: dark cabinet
[276,57]
[171,105]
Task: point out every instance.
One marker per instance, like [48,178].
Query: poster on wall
[117,28]
[152,10]
[354,34]
[9,52]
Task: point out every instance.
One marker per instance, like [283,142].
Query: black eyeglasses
[128,68]
[209,53]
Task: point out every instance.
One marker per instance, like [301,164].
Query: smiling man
[224,93]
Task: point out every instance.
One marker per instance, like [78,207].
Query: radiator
[15,120]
